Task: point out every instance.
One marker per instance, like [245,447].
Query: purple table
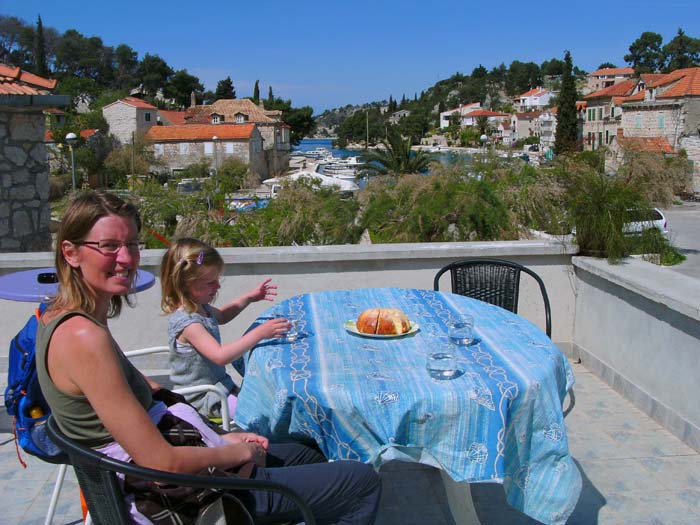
[25,286]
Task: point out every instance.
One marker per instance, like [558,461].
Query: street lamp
[484,139]
[215,140]
[72,139]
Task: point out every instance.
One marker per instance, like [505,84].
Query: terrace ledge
[655,283]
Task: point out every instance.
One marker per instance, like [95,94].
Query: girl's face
[204,289]
[107,273]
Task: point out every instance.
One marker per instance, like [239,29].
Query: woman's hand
[263,291]
[276,327]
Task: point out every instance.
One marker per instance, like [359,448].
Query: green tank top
[74,414]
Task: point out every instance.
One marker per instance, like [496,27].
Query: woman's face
[204,289]
[107,273]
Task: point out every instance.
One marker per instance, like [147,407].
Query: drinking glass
[461,330]
[441,365]
[293,332]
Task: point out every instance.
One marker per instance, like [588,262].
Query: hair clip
[200,258]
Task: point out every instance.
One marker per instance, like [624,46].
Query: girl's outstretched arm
[263,291]
[198,336]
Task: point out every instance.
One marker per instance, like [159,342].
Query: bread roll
[383,321]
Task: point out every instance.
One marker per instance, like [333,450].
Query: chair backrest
[97,476]
[494,281]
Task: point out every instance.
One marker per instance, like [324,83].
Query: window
[600,138]
[607,137]
[638,121]
[612,111]
[147,116]
[229,148]
[208,148]
[600,113]
[184,148]
[661,121]
[240,118]
[158,150]
[215,119]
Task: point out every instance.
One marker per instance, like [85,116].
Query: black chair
[494,281]
[96,475]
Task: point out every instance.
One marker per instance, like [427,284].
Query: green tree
[397,158]
[566,140]
[300,120]
[153,73]
[270,96]
[224,89]
[127,64]
[552,68]
[645,54]
[40,67]
[180,87]
[681,52]
[606,65]
[256,92]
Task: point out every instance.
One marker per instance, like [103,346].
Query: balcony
[635,429]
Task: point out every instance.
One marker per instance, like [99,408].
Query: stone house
[668,107]
[533,100]
[396,116]
[603,114]
[462,110]
[606,77]
[180,146]
[24,174]
[128,117]
[620,146]
[273,131]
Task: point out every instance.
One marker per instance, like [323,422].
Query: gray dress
[188,367]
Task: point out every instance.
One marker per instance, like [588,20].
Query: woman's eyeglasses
[111,245]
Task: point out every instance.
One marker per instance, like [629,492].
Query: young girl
[101,400]
[189,277]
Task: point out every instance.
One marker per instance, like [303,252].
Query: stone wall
[643,121]
[24,181]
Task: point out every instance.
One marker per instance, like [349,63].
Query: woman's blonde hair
[79,218]
[182,264]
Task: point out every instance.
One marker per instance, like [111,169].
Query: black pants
[345,492]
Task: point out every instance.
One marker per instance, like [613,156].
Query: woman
[100,400]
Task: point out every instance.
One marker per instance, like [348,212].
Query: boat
[341,185]
[318,153]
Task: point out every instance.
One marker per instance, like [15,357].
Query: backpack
[24,400]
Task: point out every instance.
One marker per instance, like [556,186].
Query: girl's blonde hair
[182,264]
[77,221]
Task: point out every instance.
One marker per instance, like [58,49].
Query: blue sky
[328,54]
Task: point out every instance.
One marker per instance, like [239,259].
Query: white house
[129,116]
[462,110]
[534,99]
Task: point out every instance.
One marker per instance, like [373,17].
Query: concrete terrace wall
[637,327]
[24,181]
[297,270]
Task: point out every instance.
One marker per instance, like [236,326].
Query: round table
[35,285]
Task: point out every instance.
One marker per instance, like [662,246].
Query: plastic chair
[63,465]
[97,475]
[494,281]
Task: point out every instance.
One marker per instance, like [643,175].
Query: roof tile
[200,132]
[645,144]
[621,89]
[612,71]
[16,81]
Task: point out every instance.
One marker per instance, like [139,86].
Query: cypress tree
[566,140]
[256,92]
[40,67]
[270,97]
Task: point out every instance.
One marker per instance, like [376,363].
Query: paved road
[684,232]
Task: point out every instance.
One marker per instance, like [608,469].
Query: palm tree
[397,158]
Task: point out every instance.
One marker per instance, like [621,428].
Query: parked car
[534,147]
[640,220]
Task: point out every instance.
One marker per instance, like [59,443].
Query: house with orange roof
[24,208]
[493,117]
[525,124]
[170,117]
[606,77]
[533,100]
[461,110]
[668,107]
[129,117]
[603,114]
[274,132]
[179,146]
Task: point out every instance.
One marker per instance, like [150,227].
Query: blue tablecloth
[372,400]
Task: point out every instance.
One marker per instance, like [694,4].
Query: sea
[446,158]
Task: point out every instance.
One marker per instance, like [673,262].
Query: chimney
[159,121]
[193,99]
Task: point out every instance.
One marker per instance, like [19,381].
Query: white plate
[351,327]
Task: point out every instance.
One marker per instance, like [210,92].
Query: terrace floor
[633,472]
